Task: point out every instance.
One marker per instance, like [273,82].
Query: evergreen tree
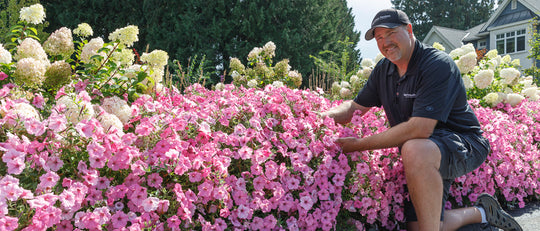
[456,14]
[219,29]
[9,16]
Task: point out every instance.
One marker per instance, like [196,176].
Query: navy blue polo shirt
[432,88]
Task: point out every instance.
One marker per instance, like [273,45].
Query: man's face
[395,43]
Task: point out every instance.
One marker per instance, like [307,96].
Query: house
[507,30]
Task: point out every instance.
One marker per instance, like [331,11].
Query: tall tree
[457,14]
[9,16]
[219,29]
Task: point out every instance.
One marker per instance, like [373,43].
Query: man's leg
[421,161]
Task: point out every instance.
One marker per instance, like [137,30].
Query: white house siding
[521,55]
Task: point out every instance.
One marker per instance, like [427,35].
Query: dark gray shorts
[461,153]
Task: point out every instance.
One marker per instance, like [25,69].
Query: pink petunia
[150,204]
[8,223]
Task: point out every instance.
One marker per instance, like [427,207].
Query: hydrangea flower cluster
[260,72]
[60,43]
[34,14]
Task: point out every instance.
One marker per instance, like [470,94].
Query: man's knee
[420,153]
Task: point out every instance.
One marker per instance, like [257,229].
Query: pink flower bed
[235,159]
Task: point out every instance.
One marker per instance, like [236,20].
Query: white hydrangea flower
[24,111]
[83,30]
[506,59]
[123,57]
[118,107]
[509,75]
[30,72]
[456,53]
[254,53]
[367,63]
[109,121]
[91,49]
[493,98]
[296,77]
[515,62]
[76,112]
[492,54]
[219,87]
[514,99]
[467,81]
[336,87]
[345,93]
[60,43]
[354,79]
[126,36]
[532,93]
[156,58]
[468,48]
[34,14]
[252,83]
[5,56]
[438,46]
[270,49]
[484,78]
[467,62]
[345,84]
[278,84]
[30,48]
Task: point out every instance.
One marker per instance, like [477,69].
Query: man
[438,134]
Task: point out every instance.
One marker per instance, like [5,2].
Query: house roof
[496,19]
[452,36]
[472,34]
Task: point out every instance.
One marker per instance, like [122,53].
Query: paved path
[528,217]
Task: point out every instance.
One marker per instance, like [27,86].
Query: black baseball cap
[387,18]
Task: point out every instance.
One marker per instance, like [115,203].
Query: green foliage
[339,66]
[534,52]
[220,29]
[462,14]
[9,17]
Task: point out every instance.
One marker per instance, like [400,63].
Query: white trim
[514,24]
[514,4]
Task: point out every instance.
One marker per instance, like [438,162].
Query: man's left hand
[349,144]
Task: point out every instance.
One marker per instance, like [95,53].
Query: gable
[524,10]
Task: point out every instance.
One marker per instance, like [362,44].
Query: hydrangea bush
[92,151]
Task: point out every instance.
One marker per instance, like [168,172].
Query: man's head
[393,32]
[388,18]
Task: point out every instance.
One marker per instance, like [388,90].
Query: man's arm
[344,112]
[414,128]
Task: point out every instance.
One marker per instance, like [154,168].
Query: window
[510,42]
[482,44]
[514,4]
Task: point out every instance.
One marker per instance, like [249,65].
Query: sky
[364,11]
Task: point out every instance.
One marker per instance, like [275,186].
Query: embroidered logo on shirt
[406,95]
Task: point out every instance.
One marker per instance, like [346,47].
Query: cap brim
[371,32]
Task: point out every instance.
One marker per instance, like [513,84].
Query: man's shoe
[495,215]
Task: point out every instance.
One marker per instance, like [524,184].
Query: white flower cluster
[257,54]
[342,89]
[34,14]
[252,83]
[296,77]
[19,111]
[76,110]
[118,107]
[83,30]
[60,43]
[30,72]
[466,55]
[156,58]
[123,57]
[438,46]
[30,48]
[126,36]
[91,49]
[510,75]
[484,78]
[5,55]
[109,121]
